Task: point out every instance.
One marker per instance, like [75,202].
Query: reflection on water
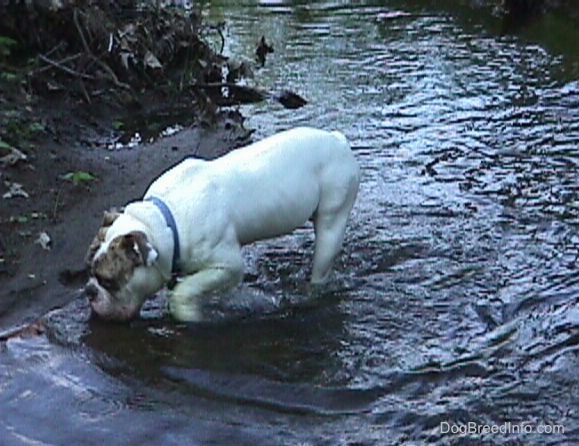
[456,298]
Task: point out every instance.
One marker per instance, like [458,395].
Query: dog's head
[122,273]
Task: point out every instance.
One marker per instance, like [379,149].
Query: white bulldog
[195,217]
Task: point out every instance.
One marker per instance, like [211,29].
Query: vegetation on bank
[518,12]
[128,55]
[123,53]
[63,62]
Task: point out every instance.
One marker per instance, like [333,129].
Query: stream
[454,310]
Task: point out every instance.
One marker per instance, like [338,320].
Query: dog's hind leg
[329,227]
[339,187]
[185,301]
[329,237]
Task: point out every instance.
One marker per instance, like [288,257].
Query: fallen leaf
[13,157]
[151,61]
[14,190]
[44,240]
[79,177]
[4,145]
[53,86]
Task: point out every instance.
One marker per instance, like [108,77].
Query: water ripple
[456,294]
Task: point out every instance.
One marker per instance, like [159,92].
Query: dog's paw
[185,309]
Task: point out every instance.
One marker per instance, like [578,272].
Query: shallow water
[455,299]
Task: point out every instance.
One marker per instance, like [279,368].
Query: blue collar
[170,220]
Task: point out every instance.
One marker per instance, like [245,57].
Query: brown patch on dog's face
[108,218]
[114,268]
[121,279]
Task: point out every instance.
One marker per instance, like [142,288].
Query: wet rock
[263,49]
[290,100]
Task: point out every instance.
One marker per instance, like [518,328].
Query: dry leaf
[44,240]
[151,61]
[13,157]
[15,190]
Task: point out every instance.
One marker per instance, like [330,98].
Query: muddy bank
[86,89]
[37,278]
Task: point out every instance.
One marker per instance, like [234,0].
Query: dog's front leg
[185,300]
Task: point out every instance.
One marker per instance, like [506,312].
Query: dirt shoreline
[36,280]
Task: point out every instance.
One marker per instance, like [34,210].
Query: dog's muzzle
[91,291]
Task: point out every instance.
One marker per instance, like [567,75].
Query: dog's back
[268,188]
[281,182]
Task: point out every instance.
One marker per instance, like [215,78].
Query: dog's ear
[138,248]
[108,218]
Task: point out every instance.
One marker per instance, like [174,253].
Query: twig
[84,92]
[220,32]
[35,328]
[104,66]
[56,204]
[56,48]
[59,62]
[219,28]
[112,75]
[80,33]
[65,68]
